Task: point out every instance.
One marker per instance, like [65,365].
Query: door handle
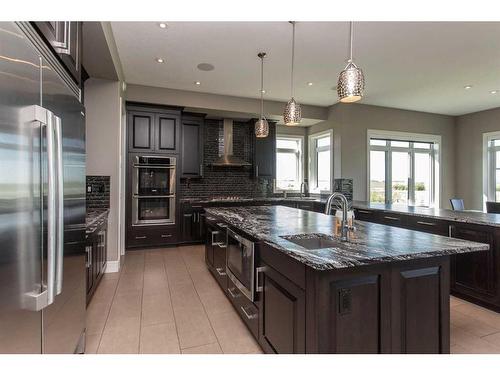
[51,209]
[60,204]
[249,316]
[220,271]
[232,293]
[257,282]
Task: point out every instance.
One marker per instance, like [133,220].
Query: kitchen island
[384,291]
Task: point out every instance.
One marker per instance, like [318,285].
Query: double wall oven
[153,190]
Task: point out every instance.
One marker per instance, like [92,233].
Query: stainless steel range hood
[228,159]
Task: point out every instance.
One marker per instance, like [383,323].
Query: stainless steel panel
[20,199]
[64,320]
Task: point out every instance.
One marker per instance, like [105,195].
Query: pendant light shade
[292,115]
[351,83]
[261,125]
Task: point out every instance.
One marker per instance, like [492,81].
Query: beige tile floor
[166,301]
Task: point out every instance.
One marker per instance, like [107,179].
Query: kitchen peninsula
[384,291]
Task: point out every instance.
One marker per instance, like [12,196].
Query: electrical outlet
[89,188]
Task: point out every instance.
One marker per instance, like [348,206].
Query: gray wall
[103,132]
[350,123]
[469,159]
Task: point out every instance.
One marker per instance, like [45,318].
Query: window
[403,168]
[492,166]
[288,162]
[320,161]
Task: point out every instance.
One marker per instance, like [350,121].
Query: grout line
[142,300]
[109,312]
[202,304]
[171,302]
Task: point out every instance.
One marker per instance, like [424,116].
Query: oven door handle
[154,166]
[137,196]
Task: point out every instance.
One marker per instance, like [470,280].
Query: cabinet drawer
[219,269]
[366,215]
[428,225]
[152,236]
[389,218]
[246,309]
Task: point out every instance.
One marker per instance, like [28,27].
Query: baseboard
[113,266]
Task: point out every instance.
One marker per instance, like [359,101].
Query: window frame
[435,153]
[489,167]
[300,166]
[313,152]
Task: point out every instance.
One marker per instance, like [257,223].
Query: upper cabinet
[65,38]
[192,145]
[153,130]
[265,154]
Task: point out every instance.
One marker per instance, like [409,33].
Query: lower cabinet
[151,236]
[473,276]
[282,310]
[192,223]
[96,252]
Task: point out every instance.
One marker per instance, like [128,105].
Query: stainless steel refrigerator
[42,199]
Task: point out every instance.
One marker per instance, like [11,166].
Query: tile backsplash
[226,181]
[98,188]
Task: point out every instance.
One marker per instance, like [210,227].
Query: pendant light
[292,114]
[351,83]
[261,125]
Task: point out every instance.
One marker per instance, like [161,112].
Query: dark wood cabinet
[96,252]
[473,276]
[151,236]
[265,154]
[282,310]
[192,146]
[65,38]
[475,273]
[192,228]
[153,130]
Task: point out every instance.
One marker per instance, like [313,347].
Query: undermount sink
[313,242]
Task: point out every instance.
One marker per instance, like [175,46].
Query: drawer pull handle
[220,271]
[166,235]
[392,218]
[232,293]
[426,223]
[364,212]
[140,237]
[249,316]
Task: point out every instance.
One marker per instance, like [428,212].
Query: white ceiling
[419,66]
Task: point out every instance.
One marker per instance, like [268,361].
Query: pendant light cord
[293,56]
[351,32]
[262,87]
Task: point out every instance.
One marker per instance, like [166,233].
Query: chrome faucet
[304,186]
[344,204]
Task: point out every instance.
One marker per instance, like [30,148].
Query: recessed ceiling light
[493,91]
[468,87]
[197,83]
[263,91]
[206,67]
[163,25]
[309,83]
[160,60]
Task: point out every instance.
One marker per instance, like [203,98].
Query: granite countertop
[249,199]
[473,217]
[94,218]
[370,244]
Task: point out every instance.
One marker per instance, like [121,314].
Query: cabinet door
[141,130]
[282,314]
[192,148]
[265,154]
[167,132]
[65,39]
[187,219]
[474,272]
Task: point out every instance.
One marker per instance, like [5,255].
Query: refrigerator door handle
[59,204]
[51,208]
